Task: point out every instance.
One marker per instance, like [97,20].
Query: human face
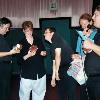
[96,19]
[28,32]
[48,35]
[4,28]
[84,23]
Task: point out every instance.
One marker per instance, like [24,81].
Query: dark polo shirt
[4,47]
[5,62]
[66,51]
[92,61]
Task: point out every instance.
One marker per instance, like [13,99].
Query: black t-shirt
[92,61]
[66,51]
[4,47]
[35,64]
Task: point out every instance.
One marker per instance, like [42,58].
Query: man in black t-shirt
[92,61]
[61,56]
[5,60]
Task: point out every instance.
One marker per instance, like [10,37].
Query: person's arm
[2,54]
[90,45]
[57,61]
[11,52]
[53,80]
[56,64]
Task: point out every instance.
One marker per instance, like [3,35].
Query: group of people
[90,50]
[31,59]
[33,74]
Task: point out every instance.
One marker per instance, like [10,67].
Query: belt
[6,62]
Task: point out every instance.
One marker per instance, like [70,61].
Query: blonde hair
[27,24]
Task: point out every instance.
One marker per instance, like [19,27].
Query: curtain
[21,10]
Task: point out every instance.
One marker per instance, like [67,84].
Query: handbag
[76,70]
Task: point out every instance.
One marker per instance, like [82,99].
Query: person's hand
[87,46]
[86,50]
[55,77]
[31,53]
[33,48]
[14,51]
[43,53]
[76,56]
[19,46]
[53,82]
